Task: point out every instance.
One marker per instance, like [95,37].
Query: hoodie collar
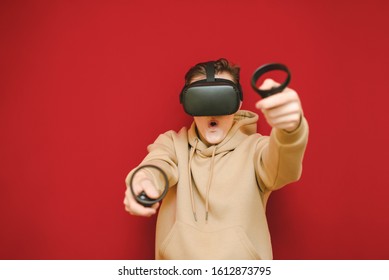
[245,123]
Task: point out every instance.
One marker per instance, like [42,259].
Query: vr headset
[211,96]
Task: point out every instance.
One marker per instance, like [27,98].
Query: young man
[221,173]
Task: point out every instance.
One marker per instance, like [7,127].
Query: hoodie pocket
[187,242]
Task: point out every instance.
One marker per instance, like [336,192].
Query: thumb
[144,182]
[268,84]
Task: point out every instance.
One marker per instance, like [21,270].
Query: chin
[214,139]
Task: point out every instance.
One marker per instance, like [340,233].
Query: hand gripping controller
[142,198]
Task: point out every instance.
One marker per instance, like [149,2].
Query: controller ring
[142,198]
[267,68]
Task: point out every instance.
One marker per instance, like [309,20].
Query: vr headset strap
[210,69]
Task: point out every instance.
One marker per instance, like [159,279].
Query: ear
[240,105]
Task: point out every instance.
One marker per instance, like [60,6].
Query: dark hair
[221,65]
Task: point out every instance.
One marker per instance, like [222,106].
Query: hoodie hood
[245,123]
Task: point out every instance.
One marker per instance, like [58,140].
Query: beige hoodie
[215,208]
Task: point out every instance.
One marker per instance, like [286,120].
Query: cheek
[228,123]
[201,124]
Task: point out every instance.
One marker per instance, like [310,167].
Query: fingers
[288,122]
[134,208]
[141,183]
[282,110]
[286,96]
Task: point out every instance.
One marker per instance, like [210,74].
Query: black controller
[267,68]
[142,198]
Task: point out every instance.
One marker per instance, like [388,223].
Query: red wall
[85,86]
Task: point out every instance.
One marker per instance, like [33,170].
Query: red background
[85,86]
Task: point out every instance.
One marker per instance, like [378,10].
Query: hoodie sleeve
[279,157]
[162,154]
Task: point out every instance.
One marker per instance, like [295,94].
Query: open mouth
[212,123]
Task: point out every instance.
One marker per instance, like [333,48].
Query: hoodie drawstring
[208,187]
[209,184]
[192,151]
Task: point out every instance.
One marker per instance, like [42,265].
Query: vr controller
[142,198]
[265,69]
[216,97]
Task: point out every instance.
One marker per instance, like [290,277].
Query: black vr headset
[211,96]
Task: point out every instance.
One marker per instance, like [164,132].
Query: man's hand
[141,182]
[282,110]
